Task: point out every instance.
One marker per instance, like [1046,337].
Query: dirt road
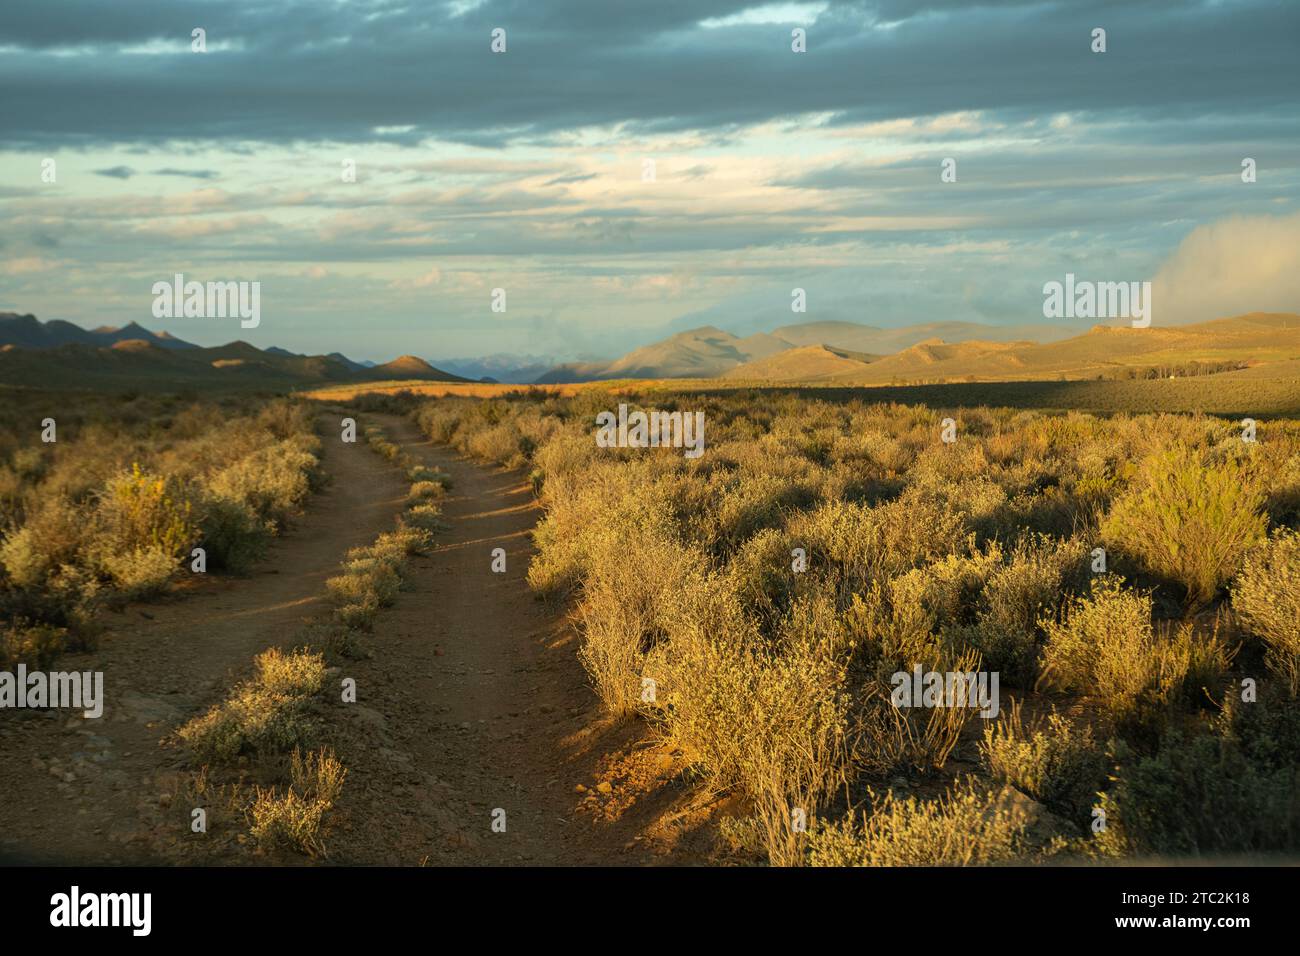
[72,789]
[472,711]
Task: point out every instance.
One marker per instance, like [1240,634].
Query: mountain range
[58,353]
[35,353]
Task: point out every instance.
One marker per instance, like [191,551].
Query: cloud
[366,73]
[1241,264]
[116,172]
[187,173]
[28,265]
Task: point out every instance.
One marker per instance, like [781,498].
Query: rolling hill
[1257,339]
[709,352]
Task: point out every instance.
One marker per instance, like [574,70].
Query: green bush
[232,535]
[1200,794]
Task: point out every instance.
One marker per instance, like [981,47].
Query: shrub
[141,573]
[1188,521]
[1200,794]
[425,517]
[418,474]
[1014,598]
[232,535]
[37,646]
[1105,647]
[265,714]
[624,610]
[769,721]
[1055,764]
[272,481]
[1266,597]
[143,522]
[424,490]
[51,537]
[295,819]
[965,827]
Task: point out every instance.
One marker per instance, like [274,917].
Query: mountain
[512,369]
[697,353]
[26,331]
[408,366]
[62,355]
[336,356]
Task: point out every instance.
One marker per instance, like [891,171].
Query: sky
[625,170]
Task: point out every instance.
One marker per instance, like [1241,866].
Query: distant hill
[808,363]
[698,353]
[62,355]
[1270,342]
[513,369]
[709,352]
[877,341]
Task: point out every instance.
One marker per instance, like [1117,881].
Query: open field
[1233,395]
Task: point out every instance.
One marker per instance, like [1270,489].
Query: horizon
[477,171]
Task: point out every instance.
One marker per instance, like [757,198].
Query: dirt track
[473,701]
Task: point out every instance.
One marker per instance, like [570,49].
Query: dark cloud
[566,180]
[310,72]
[187,173]
[115,172]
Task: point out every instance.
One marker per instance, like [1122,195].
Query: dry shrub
[1188,520]
[143,511]
[1106,647]
[265,714]
[1266,597]
[426,517]
[295,819]
[626,602]
[770,721]
[865,544]
[37,646]
[232,535]
[53,536]
[968,826]
[1059,766]
[141,573]
[272,481]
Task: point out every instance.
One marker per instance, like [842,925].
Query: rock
[1040,824]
